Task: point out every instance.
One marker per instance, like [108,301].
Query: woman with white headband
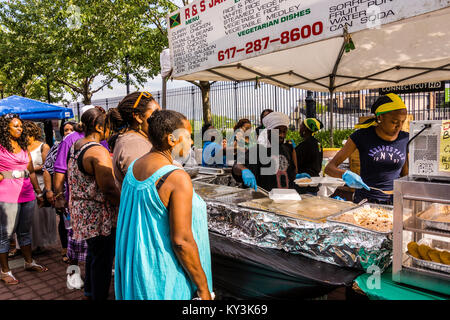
[270,163]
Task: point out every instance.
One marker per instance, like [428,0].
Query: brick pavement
[50,285]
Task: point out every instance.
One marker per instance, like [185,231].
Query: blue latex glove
[302,175]
[338,198]
[249,179]
[293,143]
[354,181]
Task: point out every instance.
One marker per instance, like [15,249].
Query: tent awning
[30,109]
[414,48]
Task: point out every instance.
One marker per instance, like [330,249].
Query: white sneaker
[74,281]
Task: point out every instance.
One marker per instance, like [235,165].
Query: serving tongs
[383,191]
[263,191]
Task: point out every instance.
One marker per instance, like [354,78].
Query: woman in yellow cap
[382,150]
[309,153]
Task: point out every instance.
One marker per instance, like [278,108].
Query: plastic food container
[282,195]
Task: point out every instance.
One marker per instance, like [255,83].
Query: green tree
[79,41]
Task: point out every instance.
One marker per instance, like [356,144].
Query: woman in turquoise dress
[162,243]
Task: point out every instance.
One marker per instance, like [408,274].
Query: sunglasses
[143,93]
[100,109]
[11,116]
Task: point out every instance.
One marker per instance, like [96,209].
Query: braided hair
[5,135]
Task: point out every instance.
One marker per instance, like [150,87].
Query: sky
[121,90]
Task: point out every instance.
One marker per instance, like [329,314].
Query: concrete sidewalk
[50,285]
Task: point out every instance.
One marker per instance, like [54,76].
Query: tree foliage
[75,42]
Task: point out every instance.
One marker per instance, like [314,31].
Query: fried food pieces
[445,257]
[434,256]
[424,252]
[413,249]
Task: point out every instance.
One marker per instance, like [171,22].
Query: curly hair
[5,135]
[241,123]
[32,130]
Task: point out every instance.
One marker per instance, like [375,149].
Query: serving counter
[308,227]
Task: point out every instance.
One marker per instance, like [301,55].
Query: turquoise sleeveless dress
[146,267]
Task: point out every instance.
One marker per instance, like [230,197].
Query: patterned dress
[91,215]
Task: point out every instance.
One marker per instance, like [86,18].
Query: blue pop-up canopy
[29,109]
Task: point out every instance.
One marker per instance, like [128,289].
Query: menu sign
[210,33]
[444,154]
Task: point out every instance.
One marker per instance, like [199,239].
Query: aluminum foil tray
[333,243]
[310,208]
[433,212]
[210,191]
[223,180]
[335,217]
[430,264]
[212,171]
[239,197]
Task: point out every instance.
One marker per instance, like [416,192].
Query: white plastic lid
[284,195]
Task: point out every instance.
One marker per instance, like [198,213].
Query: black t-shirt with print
[268,174]
[381,162]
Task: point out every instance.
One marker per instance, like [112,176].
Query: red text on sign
[295,34]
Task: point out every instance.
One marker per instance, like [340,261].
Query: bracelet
[59,194]
[40,195]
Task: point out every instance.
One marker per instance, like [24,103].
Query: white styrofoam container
[281,195]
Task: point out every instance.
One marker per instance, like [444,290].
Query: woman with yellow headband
[309,153]
[383,152]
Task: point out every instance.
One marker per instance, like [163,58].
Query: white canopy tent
[308,44]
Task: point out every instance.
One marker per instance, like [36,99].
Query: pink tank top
[15,190]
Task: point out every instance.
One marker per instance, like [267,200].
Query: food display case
[422,234]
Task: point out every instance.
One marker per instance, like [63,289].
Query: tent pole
[332,87]
[164,92]
[331,116]
[48,126]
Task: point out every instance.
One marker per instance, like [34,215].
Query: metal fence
[232,101]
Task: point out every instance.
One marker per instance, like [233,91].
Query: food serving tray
[210,191]
[334,217]
[239,197]
[433,212]
[316,181]
[429,264]
[310,208]
[212,171]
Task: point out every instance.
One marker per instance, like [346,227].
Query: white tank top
[36,157]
